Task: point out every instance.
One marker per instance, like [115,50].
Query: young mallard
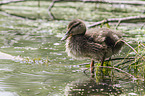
[96,44]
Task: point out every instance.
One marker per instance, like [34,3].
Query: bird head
[75,27]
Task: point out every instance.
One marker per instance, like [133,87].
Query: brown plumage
[96,44]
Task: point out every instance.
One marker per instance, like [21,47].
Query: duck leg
[92,67]
[102,61]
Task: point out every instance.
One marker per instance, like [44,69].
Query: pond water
[33,62]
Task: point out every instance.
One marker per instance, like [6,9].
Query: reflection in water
[106,82]
[90,87]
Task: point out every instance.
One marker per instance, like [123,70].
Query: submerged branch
[50,7]
[125,19]
[7,2]
[121,58]
[16,16]
[115,2]
[117,65]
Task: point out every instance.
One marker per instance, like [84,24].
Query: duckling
[94,44]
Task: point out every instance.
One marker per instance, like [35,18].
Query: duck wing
[104,36]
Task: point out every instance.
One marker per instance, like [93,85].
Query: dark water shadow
[106,82]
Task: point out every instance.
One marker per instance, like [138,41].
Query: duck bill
[66,35]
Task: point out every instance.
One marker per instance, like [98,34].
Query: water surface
[34,63]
